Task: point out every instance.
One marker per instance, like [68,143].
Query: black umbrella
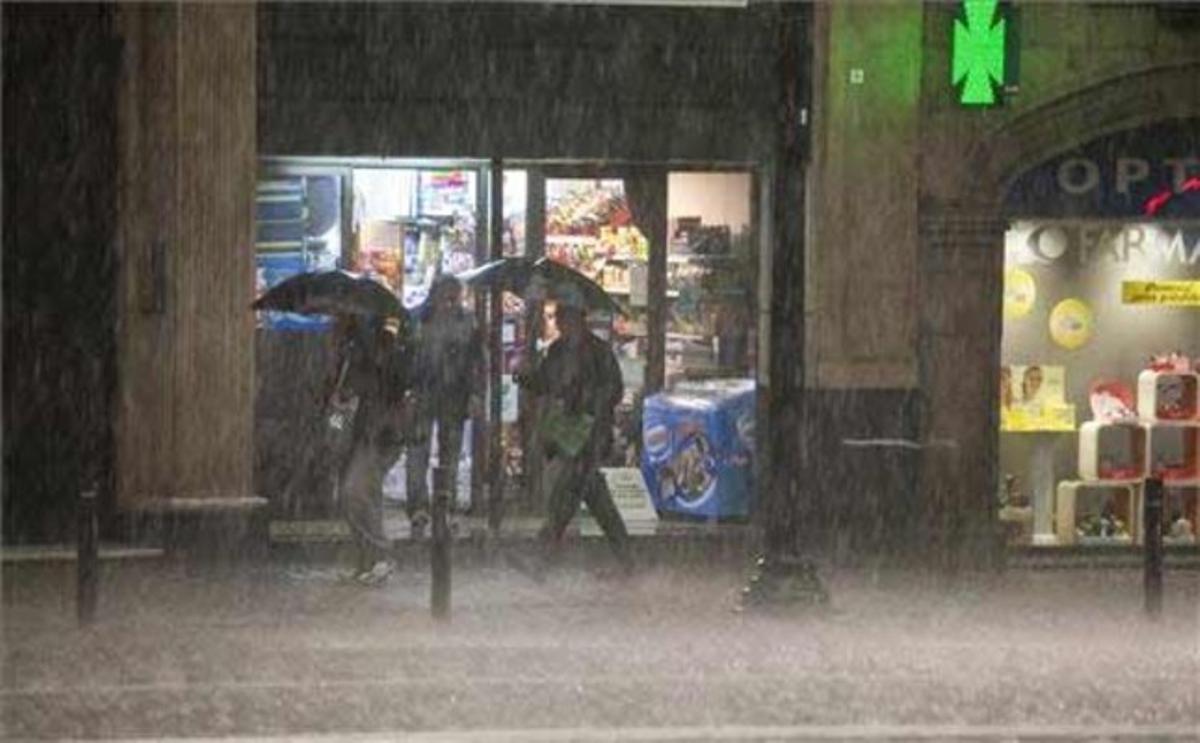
[331,293]
[521,275]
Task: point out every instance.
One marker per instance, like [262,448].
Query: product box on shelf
[698,445]
[1168,395]
[1097,512]
[1173,450]
[1181,513]
[1112,450]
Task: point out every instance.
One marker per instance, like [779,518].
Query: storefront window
[298,228]
[404,225]
[1098,386]
[413,224]
[710,276]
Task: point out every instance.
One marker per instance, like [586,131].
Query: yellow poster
[1164,293]
[1071,323]
[1033,398]
[1020,291]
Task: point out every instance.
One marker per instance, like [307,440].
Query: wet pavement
[287,649]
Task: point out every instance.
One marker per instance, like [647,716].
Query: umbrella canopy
[331,293]
[527,276]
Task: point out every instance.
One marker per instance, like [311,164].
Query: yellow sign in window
[1166,293]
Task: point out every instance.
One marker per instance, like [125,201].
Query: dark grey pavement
[288,651]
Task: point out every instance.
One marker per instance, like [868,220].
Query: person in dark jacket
[578,382]
[448,355]
[366,411]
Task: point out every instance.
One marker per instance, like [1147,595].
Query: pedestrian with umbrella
[578,384]
[447,359]
[366,407]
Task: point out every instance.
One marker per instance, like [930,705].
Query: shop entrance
[676,246]
[1100,350]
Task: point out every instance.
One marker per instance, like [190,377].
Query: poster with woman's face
[1033,398]
[1033,383]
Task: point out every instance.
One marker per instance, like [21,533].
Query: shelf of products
[1097,512]
[1168,396]
[1112,450]
[1181,513]
[1115,457]
[1171,450]
[710,285]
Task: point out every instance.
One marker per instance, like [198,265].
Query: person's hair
[444,281]
[441,283]
[570,312]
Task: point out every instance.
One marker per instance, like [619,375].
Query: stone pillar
[962,260]
[186,170]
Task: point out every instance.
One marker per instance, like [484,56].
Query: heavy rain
[648,370]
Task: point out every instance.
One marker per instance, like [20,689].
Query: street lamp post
[88,557]
[1152,520]
[439,561]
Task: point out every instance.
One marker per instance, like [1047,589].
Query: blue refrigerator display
[698,444]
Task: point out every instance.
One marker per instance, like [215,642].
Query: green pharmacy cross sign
[979,52]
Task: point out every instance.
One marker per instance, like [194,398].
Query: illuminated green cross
[978,53]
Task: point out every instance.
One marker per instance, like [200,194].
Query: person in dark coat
[578,383]
[366,411]
[448,353]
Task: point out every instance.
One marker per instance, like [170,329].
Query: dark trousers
[360,492]
[449,441]
[566,481]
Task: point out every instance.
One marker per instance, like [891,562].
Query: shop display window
[1076,297]
[403,223]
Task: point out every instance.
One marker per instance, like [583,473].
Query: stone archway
[1130,101]
[961,290]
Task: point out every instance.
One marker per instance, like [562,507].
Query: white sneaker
[378,574]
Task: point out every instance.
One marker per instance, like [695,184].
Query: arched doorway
[1073,184]
[962,289]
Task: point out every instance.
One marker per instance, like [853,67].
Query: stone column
[960,299]
[186,171]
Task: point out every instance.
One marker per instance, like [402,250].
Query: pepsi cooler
[698,445]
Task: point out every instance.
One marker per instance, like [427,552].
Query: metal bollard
[439,557]
[1152,520]
[88,557]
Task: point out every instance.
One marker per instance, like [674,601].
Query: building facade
[889,204]
[912,195]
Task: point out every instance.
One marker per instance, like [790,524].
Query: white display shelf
[1157,390]
[1173,435]
[1181,500]
[1130,437]
[1075,498]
